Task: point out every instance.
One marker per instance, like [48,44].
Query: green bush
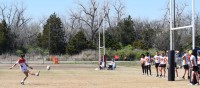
[19,52]
[110,53]
[129,53]
[48,59]
[126,53]
[138,53]
[138,44]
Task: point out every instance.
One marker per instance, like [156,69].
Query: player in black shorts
[185,64]
[142,61]
[162,64]
[157,62]
[194,66]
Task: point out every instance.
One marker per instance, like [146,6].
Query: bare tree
[90,18]
[17,22]
[119,7]
[32,32]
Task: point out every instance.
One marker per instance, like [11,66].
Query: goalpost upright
[102,47]
[171,55]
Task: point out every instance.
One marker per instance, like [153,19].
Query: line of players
[161,63]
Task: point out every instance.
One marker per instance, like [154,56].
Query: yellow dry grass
[85,76]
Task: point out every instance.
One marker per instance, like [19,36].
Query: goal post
[171,54]
[102,58]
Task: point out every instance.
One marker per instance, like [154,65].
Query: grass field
[85,76]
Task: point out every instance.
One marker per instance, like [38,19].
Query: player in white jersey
[23,66]
[142,61]
[162,65]
[148,63]
[193,65]
[185,64]
[198,63]
[157,62]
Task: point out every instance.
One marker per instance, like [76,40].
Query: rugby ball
[48,67]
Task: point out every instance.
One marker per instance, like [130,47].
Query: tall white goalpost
[171,56]
[102,47]
[184,27]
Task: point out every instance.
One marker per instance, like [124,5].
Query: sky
[144,9]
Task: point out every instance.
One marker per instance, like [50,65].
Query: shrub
[128,53]
[138,53]
[19,52]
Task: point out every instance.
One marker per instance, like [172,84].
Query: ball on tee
[48,67]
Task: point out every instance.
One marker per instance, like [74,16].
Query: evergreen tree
[111,41]
[148,37]
[127,31]
[77,43]
[53,36]
[39,40]
[4,37]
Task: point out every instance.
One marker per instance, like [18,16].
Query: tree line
[60,35]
